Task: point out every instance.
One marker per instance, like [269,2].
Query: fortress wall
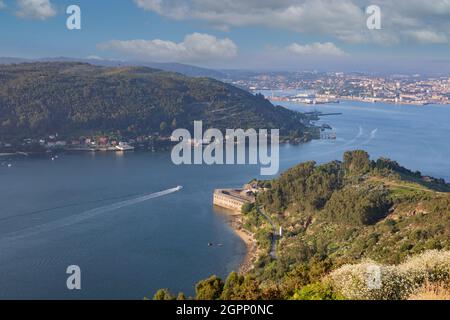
[227,201]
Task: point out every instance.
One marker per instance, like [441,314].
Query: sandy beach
[235,221]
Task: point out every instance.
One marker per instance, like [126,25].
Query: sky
[413,36]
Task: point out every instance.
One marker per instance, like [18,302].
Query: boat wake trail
[65,206]
[65,222]
[343,147]
[373,134]
[352,141]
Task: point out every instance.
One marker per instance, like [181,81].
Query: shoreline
[418,103]
[235,222]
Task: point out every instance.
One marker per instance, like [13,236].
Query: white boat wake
[68,221]
[373,134]
[352,141]
[343,147]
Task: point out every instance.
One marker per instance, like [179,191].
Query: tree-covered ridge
[343,213]
[358,208]
[44,98]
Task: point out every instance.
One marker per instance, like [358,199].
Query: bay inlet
[132,251]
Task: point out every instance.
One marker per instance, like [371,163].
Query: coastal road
[273,250]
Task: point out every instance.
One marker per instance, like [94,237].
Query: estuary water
[122,219]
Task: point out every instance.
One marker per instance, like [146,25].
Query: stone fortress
[234,199]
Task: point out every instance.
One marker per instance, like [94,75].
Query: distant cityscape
[319,88]
[298,87]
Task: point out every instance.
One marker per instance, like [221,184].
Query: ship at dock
[123,146]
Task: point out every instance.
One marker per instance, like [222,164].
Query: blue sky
[251,34]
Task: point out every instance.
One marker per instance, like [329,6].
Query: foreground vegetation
[339,219]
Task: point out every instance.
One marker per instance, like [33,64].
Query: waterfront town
[320,88]
[117,142]
[309,88]
[94,143]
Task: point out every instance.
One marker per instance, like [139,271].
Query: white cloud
[194,48]
[2,5]
[344,20]
[301,16]
[35,9]
[316,49]
[151,5]
[427,37]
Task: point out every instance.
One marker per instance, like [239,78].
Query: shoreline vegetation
[339,220]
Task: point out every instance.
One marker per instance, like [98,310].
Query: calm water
[72,211]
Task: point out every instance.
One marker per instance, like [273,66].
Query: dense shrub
[358,205]
[317,291]
[209,289]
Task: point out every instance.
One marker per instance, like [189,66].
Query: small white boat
[123,146]
[9,165]
[178,188]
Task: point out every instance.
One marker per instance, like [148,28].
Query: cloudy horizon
[325,35]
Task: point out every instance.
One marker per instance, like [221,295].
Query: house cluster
[319,88]
[96,142]
[101,143]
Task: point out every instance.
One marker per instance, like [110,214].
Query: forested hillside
[339,218]
[342,212]
[71,98]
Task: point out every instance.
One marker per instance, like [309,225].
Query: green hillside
[343,213]
[73,98]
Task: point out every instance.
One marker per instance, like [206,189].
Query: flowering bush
[359,281]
